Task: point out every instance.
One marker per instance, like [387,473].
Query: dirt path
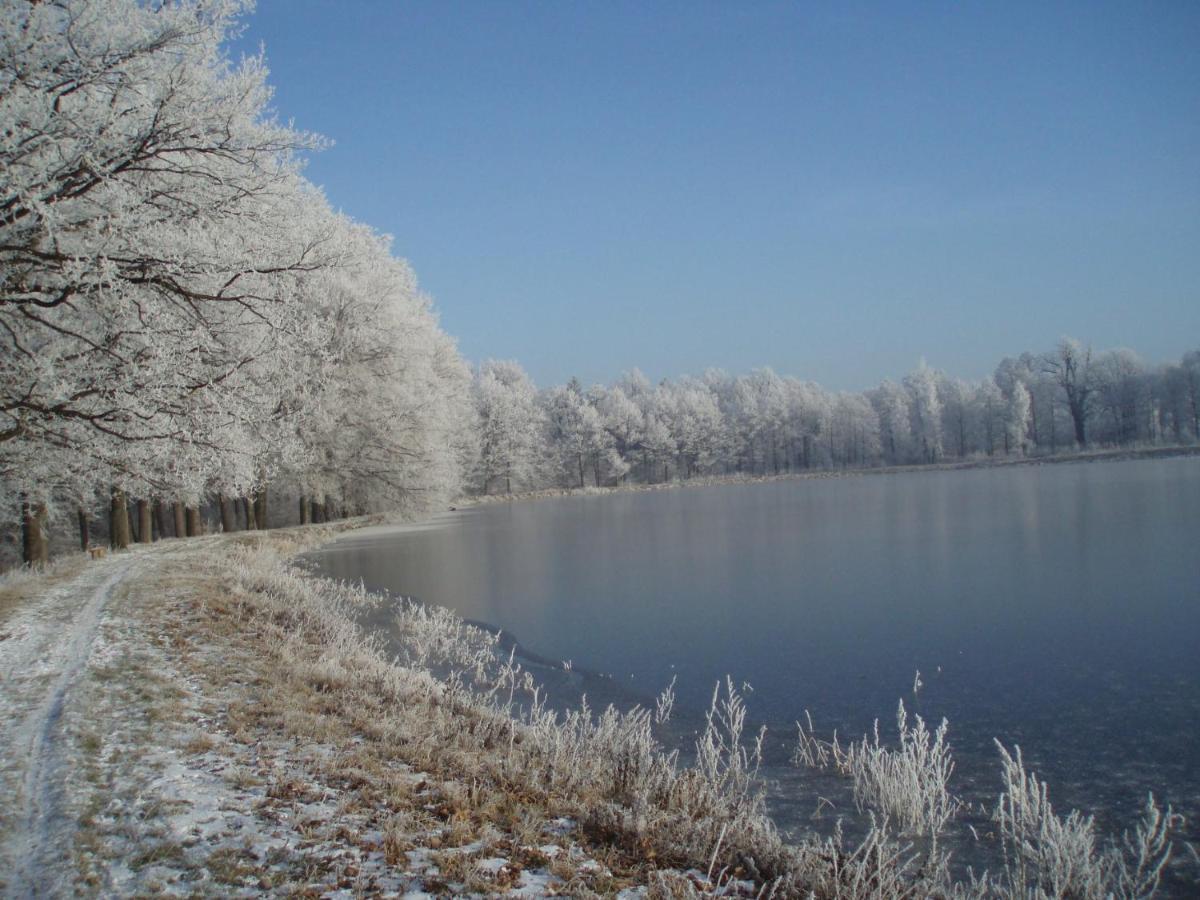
[46,647]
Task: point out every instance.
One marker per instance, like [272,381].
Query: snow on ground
[139,758]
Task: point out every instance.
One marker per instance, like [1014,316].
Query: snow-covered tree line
[183,318]
[763,423]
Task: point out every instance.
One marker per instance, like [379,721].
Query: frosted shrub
[1049,856]
[434,638]
[616,756]
[909,782]
[1044,855]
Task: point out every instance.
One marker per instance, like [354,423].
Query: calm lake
[1055,606]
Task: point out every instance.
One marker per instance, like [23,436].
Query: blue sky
[834,191]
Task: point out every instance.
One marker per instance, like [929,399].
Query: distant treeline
[763,423]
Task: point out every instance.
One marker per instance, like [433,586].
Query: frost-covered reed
[909,783]
[1047,855]
[1044,855]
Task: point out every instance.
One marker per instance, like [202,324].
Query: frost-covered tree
[1123,395]
[955,395]
[853,430]
[386,418]
[181,314]
[149,241]
[1070,365]
[1016,419]
[1190,376]
[1181,397]
[925,410]
[991,412]
[803,425]
[577,435]
[695,425]
[658,443]
[510,424]
[768,410]
[892,404]
[1029,370]
[625,422]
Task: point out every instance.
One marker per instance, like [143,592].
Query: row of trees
[762,423]
[182,316]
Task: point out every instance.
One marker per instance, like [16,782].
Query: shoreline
[1096,456]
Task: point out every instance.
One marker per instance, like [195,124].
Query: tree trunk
[192,521]
[318,513]
[248,513]
[228,519]
[85,538]
[305,512]
[177,514]
[1079,419]
[35,549]
[145,524]
[260,509]
[119,536]
[160,522]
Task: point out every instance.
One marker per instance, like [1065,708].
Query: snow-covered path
[47,644]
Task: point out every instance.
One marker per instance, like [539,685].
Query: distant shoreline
[1117,455]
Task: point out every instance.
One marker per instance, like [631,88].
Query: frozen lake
[1056,606]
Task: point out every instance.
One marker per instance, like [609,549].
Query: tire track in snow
[60,643]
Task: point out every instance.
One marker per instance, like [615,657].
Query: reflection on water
[1051,606]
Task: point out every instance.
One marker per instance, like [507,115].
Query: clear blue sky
[833,191]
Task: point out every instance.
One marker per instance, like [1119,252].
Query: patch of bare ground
[19,585]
